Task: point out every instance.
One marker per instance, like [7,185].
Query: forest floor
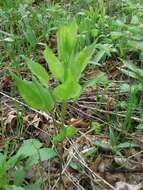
[106,152]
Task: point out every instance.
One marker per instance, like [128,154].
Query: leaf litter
[86,165]
[36,126]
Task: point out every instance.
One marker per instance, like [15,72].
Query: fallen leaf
[6,84]
[96,163]
[113,178]
[37,122]
[111,104]
[11,119]
[105,163]
[78,123]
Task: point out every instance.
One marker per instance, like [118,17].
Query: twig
[74,181]
[87,115]
[64,169]
[135,154]
[111,113]
[92,172]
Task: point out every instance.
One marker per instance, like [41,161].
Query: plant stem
[63,113]
[54,123]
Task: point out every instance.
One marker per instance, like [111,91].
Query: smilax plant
[66,68]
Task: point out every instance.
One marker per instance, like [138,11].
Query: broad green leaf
[131,88]
[67,38]
[97,127]
[113,138]
[103,145]
[125,88]
[38,71]
[116,35]
[29,147]
[34,94]
[140,127]
[135,20]
[47,153]
[13,187]
[127,145]
[75,165]
[19,176]
[59,137]
[82,60]
[46,95]
[89,152]
[30,35]
[135,45]
[136,70]
[41,155]
[70,131]
[100,55]
[132,71]
[100,78]
[29,1]
[35,186]
[70,89]
[54,64]
[2,158]
[13,161]
[129,65]
[129,73]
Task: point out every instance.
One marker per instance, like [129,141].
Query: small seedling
[113,145]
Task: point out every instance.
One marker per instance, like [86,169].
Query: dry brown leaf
[27,119]
[113,178]
[79,123]
[96,163]
[111,104]
[68,185]
[85,142]
[37,122]
[11,119]
[105,163]
[6,84]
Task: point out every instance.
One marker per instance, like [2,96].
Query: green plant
[135,90]
[126,31]
[32,152]
[67,69]
[113,144]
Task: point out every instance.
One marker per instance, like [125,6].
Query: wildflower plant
[67,68]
